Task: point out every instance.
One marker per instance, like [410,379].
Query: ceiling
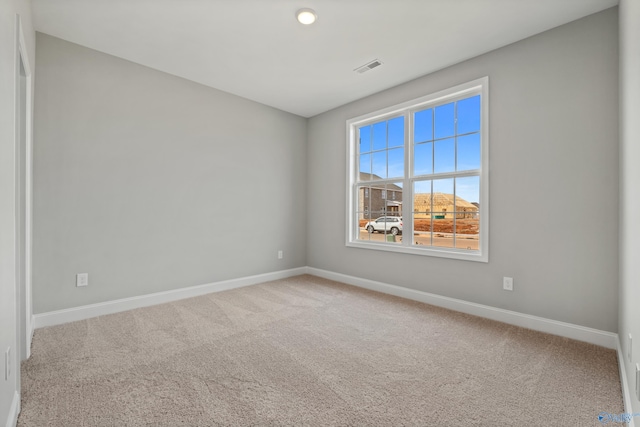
[257,49]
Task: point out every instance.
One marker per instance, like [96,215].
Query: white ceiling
[256,48]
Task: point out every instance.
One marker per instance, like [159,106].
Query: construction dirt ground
[463,225]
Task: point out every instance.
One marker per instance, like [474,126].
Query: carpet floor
[306,351]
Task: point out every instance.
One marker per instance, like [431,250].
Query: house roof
[372,177]
[442,200]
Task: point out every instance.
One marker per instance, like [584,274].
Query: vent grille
[369,66]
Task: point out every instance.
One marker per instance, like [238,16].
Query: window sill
[450,253]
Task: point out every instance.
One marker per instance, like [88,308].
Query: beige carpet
[307,351]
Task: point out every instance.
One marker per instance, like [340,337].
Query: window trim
[480,86]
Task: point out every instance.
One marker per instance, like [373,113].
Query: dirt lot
[463,226]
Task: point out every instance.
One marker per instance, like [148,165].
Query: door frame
[23,126]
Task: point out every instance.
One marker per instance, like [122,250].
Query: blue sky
[436,132]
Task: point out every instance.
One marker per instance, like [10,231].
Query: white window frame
[479,86]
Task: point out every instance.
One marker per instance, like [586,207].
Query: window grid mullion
[455,168]
[431,213]
[407,191]
[386,144]
[445,175]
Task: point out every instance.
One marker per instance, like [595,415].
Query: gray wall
[629,194]
[8,308]
[149,182]
[553,178]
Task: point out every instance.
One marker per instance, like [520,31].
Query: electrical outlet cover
[82,279]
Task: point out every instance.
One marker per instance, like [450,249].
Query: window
[430,157]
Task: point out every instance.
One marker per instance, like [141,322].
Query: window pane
[396,132]
[445,121]
[468,152]
[384,223]
[423,125]
[422,197]
[423,158]
[380,136]
[443,208]
[364,200]
[468,189]
[467,231]
[443,186]
[379,168]
[464,240]
[443,196]
[365,167]
[422,187]
[467,211]
[378,200]
[393,213]
[365,139]
[396,163]
[469,115]
[363,210]
[445,156]
[364,216]
[422,213]
[394,199]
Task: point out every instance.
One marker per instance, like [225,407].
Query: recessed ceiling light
[306,16]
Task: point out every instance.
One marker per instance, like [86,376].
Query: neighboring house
[379,200]
[442,205]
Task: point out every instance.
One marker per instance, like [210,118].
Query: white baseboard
[14,411]
[626,392]
[568,330]
[30,336]
[109,307]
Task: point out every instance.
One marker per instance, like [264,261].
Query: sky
[445,139]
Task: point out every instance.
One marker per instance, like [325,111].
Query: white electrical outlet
[7,364]
[280,255]
[82,279]
[630,348]
[507,283]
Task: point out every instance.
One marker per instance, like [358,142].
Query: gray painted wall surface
[136,171]
[149,182]
[629,194]
[553,178]
[8,313]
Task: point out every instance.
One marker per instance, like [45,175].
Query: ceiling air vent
[369,66]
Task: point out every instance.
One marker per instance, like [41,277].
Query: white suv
[383,224]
